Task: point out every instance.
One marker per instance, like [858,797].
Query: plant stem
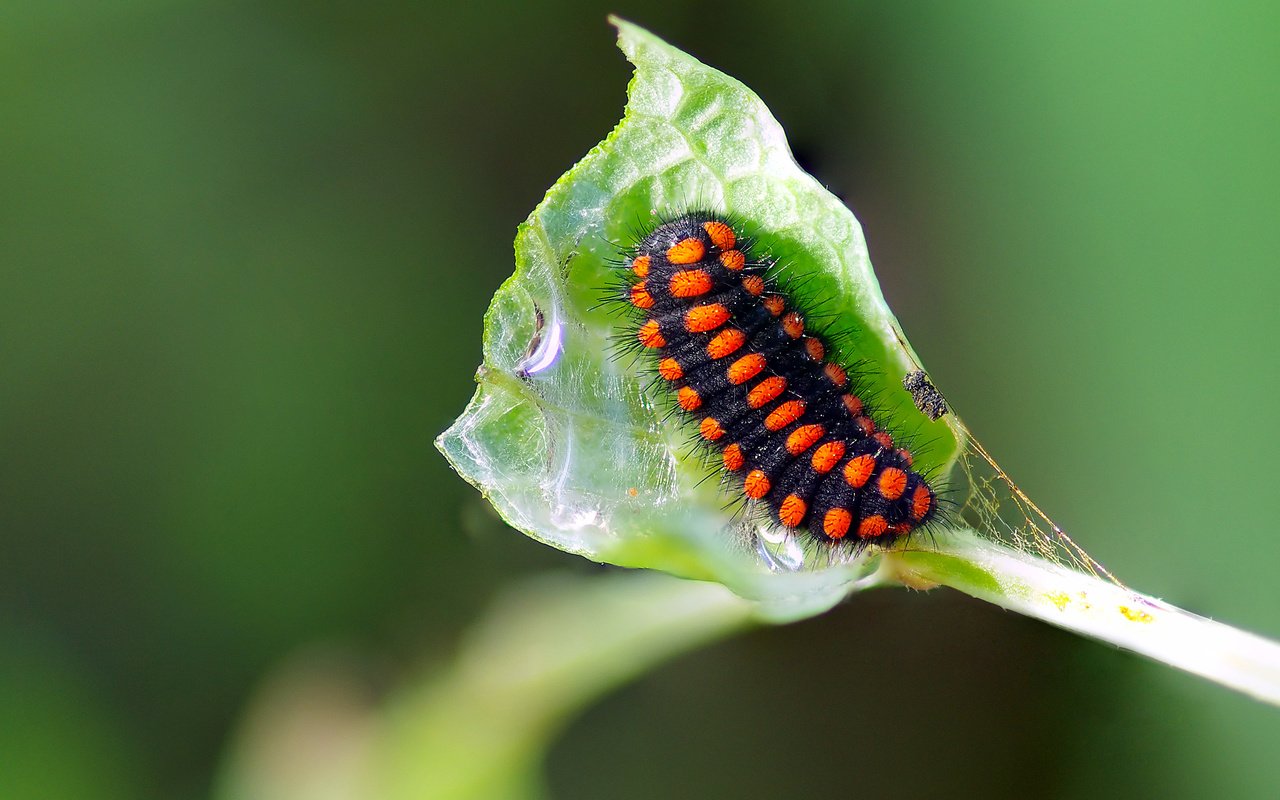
[1095,607]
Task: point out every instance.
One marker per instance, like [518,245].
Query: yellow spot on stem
[1136,615]
[1060,599]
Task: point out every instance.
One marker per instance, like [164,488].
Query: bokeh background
[245,249]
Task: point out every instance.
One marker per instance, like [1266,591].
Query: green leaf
[578,454]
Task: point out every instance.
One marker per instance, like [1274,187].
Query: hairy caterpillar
[734,350]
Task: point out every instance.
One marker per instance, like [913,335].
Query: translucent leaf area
[566,438]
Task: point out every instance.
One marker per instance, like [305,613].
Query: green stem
[480,729]
[1095,607]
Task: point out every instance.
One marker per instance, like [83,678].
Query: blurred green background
[244,253]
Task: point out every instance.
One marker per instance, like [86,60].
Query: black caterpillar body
[733,349]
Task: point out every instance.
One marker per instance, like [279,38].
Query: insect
[925,395]
[734,350]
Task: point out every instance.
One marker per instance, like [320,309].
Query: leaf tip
[631,35]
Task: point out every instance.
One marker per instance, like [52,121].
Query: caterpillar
[733,349]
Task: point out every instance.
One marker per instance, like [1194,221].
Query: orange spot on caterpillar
[686,251]
[650,335]
[733,259]
[690,283]
[793,325]
[792,511]
[803,438]
[745,368]
[815,348]
[872,526]
[921,502]
[836,374]
[721,235]
[754,285]
[868,427]
[893,482]
[733,458]
[853,404]
[640,266]
[884,439]
[827,456]
[784,415]
[726,342]
[836,523]
[858,471]
[765,391]
[775,304]
[700,319]
[711,429]
[670,369]
[756,485]
[906,456]
[688,398]
[901,529]
[640,297]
